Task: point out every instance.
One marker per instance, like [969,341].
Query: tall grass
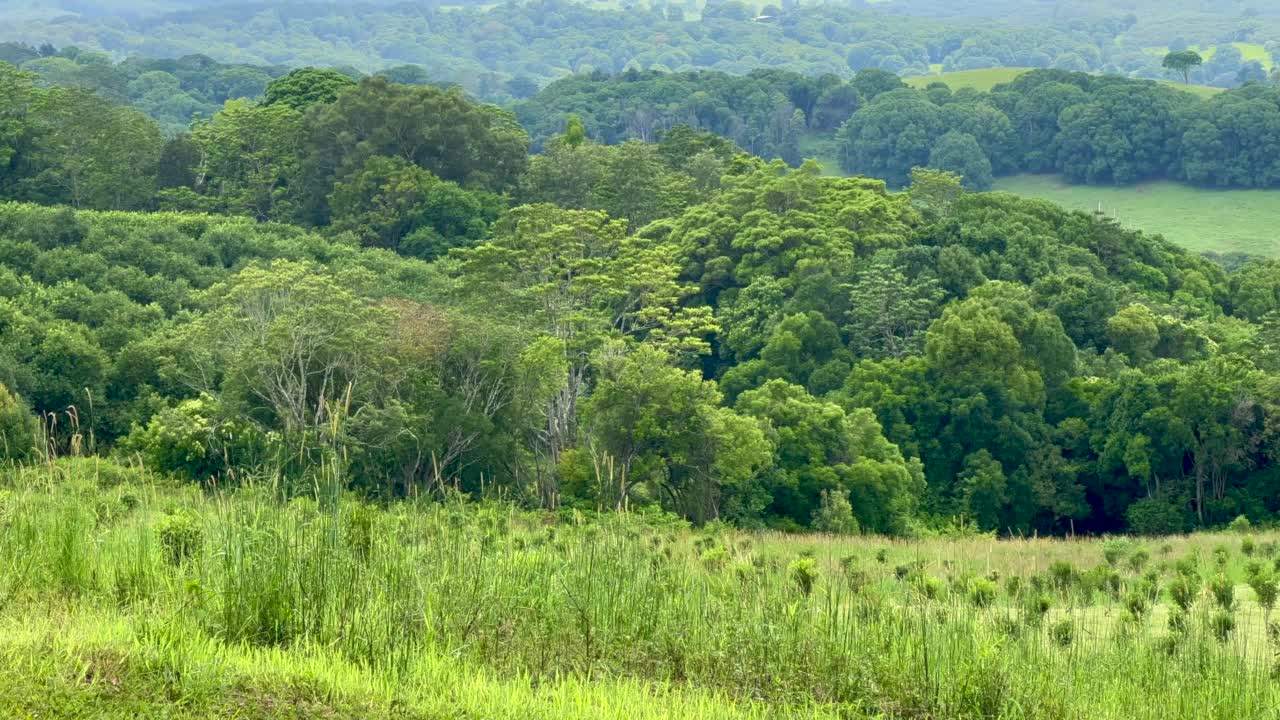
[421,595]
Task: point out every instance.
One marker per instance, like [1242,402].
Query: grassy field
[1249,51]
[123,596]
[983,80]
[824,148]
[987,78]
[1222,221]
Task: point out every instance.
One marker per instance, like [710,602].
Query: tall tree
[1183,62]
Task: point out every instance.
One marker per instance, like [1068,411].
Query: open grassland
[987,78]
[825,148]
[1249,51]
[1221,221]
[982,80]
[123,596]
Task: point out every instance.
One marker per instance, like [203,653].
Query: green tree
[662,427]
[888,314]
[441,131]
[92,154]
[18,438]
[17,129]
[1134,332]
[250,156]
[1183,62]
[286,344]
[933,191]
[307,86]
[960,153]
[821,448]
[395,204]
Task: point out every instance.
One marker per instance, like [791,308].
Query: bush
[835,514]
[1113,551]
[715,559]
[1224,592]
[1013,586]
[1266,588]
[982,593]
[17,428]
[181,536]
[1183,591]
[1137,604]
[1063,632]
[1139,559]
[1063,574]
[1153,516]
[1221,554]
[804,573]
[193,440]
[1240,525]
[1037,607]
[930,587]
[1223,624]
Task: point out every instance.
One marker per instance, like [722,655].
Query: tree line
[486,47]
[381,278]
[1095,129]
[1088,128]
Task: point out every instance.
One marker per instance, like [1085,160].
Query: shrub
[1013,586]
[181,536]
[908,570]
[1063,632]
[1248,546]
[1139,559]
[1136,603]
[1100,579]
[1224,592]
[982,593]
[17,427]
[358,522]
[1063,575]
[195,441]
[1114,550]
[1266,589]
[1183,591]
[835,514]
[715,558]
[1037,607]
[1153,516]
[930,587]
[1223,624]
[1221,554]
[856,578]
[804,573]
[1240,525]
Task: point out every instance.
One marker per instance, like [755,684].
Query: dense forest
[381,276]
[1081,126]
[1089,128]
[484,47]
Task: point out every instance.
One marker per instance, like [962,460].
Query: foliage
[18,439]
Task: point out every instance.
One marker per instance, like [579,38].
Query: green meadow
[125,596]
[982,80]
[1221,221]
